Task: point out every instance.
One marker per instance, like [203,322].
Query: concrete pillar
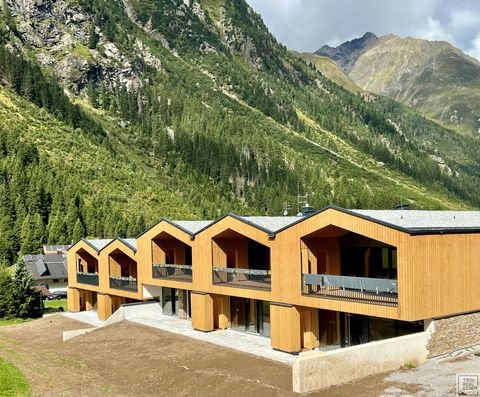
[104,303]
[285,327]
[73,299]
[202,311]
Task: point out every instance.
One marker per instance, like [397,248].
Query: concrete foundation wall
[454,333]
[319,370]
[145,310]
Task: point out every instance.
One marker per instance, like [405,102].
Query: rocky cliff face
[60,33]
[346,54]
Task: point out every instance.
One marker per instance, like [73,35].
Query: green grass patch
[11,321]
[12,381]
[54,306]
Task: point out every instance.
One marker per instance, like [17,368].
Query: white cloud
[435,31]
[474,49]
[305,25]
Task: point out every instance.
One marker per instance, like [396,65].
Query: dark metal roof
[46,267]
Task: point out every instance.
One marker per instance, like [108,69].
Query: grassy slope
[12,381]
[330,69]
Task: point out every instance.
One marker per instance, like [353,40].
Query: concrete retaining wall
[319,370]
[67,335]
[454,333]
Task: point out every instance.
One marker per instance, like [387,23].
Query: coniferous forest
[165,110]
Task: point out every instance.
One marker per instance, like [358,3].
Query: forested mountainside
[432,76]
[116,113]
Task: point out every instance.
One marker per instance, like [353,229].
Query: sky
[306,25]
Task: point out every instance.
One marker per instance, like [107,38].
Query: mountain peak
[347,53]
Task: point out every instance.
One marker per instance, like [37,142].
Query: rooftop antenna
[303,206]
[286,207]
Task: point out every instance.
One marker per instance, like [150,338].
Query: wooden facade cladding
[74,253]
[438,274]
[147,254]
[112,265]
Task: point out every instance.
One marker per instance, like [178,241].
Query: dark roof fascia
[172,223]
[122,241]
[348,212]
[73,245]
[90,245]
[238,218]
[127,244]
[458,230]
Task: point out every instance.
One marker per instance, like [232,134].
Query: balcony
[87,278]
[242,278]
[173,272]
[356,289]
[125,283]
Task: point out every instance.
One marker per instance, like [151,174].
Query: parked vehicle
[57,295]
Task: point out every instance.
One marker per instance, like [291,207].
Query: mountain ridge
[433,76]
[200,111]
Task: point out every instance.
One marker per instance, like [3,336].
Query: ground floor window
[176,302]
[250,315]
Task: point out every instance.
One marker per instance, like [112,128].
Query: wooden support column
[73,299]
[222,311]
[104,303]
[309,328]
[202,311]
[88,300]
[285,328]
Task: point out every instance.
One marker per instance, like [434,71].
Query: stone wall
[454,333]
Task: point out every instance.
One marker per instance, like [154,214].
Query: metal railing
[183,272]
[129,283]
[361,289]
[245,278]
[87,278]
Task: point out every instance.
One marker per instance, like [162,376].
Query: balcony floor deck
[249,284]
[180,277]
[355,296]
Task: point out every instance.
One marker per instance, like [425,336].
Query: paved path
[247,343]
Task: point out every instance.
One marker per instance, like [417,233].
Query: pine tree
[25,297]
[93,37]
[6,296]
[78,231]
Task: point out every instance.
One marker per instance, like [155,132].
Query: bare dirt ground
[127,359]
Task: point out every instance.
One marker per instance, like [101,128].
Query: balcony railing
[243,278]
[128,283]
[359,289]
[170,271]
[87,278]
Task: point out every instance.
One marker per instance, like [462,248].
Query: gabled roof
[268,224]
[188,227]
[98,244]
[416,220]
[128,242]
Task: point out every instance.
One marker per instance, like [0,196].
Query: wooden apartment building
[332,277]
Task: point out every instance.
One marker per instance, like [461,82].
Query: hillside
[116,113]
[331,70]
[432,76]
